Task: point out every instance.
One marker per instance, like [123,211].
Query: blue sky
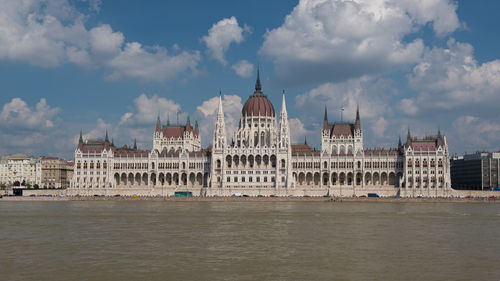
[109,65]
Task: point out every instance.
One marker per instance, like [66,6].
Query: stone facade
[260,160]
[56,172]
[16,169]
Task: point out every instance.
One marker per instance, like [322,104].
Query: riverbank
[251,199]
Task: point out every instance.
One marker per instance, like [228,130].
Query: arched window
[218,166]
[325,165]
[282,163]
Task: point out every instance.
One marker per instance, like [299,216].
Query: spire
[188,124]
[399,142]
[196,131]
[258,87]
[408,136]
[112,141]
[283,103]
[439,133]
[305,140]
[220,101]
[81,137]
[106,139]
[219,141]
[358,122]
[168,119]
[158,123]
[135,143]
[325,120]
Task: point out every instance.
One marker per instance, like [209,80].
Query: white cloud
[104,42]
[151,64]
[146,109]
[450,78]
[57,30]
[471,133]
[243,68]
[17,115]
[207,112]
[35,129]
[298,131]
[336,40]
[379,127]
[373,97]
[221,35]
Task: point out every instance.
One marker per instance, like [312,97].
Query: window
[228,179]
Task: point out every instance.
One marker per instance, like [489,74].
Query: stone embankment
[255,199]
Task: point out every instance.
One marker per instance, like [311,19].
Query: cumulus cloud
[379,127]
[480,134]
[450,78]
[57,30]
[18,115]
[243,68]
[207,112]
[34,129]
[298,132]
[337,40]
[221,35]
[372,95]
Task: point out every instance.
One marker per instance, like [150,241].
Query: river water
[144,240]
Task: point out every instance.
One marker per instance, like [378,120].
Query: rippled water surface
[142,240]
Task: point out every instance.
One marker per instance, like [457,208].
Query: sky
[97,65]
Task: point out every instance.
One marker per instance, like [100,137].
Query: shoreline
[252,199]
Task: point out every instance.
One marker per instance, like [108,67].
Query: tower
[219,141]
[358,133]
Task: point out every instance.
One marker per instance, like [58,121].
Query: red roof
[173,132]
[423,146]
[342,129]
[258,105]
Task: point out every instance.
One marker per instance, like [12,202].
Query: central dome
[258,104]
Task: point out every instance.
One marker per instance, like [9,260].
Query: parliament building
[260,160]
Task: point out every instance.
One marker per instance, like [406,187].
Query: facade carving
[261,160]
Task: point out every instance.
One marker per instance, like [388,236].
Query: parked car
[362,196]
[260,195]
[492,197]
[245,195]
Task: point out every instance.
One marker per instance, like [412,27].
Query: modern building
[478,171]
[56,172]
[261,160]
[20,170]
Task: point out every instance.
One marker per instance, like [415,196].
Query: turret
[196,130]
[325,120]
[188,125]
[135,143]
[158,123]
[220,141]
[284,129]
[357,125]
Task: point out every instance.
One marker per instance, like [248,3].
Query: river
[144,240]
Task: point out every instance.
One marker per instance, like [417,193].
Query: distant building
[261,160]
[478,171]
[56,172]
[20,170]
